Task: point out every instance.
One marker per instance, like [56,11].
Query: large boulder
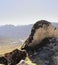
[46,55]
[42,43]
[41,46]
[13,57]
[41,31]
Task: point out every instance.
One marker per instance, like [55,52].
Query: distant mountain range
[11,31]
[55,24]
[21,32]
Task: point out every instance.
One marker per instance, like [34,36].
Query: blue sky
[21,12]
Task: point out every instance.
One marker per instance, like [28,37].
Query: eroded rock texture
[42,43]
[47,55]
[13,57]
[40,31]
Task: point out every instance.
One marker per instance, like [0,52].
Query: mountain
[55,24]
[19,32]
[12,31]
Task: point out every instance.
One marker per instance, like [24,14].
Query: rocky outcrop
[41,46]
[13,57]
[41,30]
[47,54]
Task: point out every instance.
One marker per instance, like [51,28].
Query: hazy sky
[21,12]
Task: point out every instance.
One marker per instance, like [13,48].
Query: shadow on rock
[13,57]
[47,55]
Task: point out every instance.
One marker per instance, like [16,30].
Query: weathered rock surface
[41,30]
[41,46]
[13,57]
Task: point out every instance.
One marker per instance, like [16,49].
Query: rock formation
[41,30]
[13,57]
[41,43]
[41,46]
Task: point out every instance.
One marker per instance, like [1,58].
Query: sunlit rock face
[41,30]
[42,44]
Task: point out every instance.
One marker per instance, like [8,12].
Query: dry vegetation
[7,48]
[7,45]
